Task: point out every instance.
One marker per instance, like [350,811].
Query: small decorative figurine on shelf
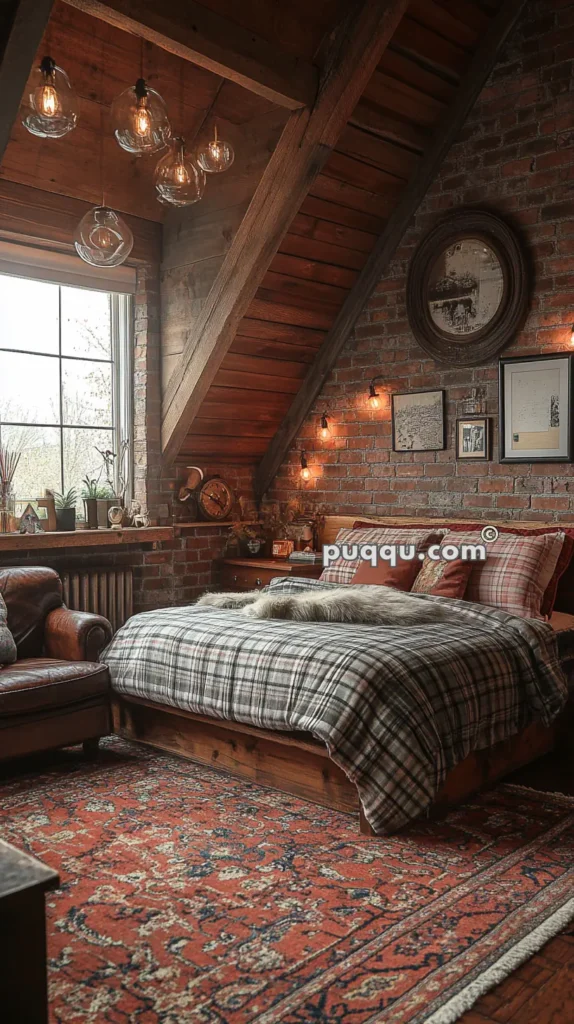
[115,516]
[29,521]
[139,518]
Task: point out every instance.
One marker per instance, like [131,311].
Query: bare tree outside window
[61,381]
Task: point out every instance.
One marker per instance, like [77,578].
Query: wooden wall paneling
[102,61]
[355,49]
[451,25]
[23,26]
[196,238]
[389,126]
[284,333]
[436,51]
[479,69]
[310,249]
[35,215]
[312,270]
[363,175]
[272,350]
[256,382]
[225,428]
[267,305]
[191,31]
[297,27]
[396,160]
[405,69]
[403,100]
[342,193]
[261,367]
[335,214]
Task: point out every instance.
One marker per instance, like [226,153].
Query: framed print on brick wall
[473,438]
[535,395]
[418,421]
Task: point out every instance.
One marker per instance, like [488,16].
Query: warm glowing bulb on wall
[374,397]
[305,471]
[324,430]
[572,335]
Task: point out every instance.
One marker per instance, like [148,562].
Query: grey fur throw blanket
[365,605]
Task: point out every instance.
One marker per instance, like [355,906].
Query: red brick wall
[514,156]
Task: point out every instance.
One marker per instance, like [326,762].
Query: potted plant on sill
[66,510]
[90,495]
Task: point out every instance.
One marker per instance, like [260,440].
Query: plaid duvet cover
[397,708]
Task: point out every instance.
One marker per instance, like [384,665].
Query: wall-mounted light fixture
[374,396]
[324,429]
[572,335]
[305,471]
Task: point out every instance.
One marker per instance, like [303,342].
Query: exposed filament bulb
[142,120]
[49,104]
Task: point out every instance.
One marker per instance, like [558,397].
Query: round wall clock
[467,288]
[215,499]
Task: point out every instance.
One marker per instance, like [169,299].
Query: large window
[65,382]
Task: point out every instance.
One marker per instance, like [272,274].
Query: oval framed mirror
[467,291]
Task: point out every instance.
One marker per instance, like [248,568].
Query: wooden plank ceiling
[102,61]
[337,226]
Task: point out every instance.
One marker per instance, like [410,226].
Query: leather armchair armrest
[76,636]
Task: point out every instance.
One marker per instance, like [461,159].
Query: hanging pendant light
[51,108]
[216,156]
[102,238]
[139,119]
[178,179]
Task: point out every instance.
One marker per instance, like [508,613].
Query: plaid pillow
[516,572]
[343,569]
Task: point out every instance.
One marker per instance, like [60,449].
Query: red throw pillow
[401,576]
[443,579]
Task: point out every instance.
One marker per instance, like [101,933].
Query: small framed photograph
[418,421]
[536,408]
[473,438]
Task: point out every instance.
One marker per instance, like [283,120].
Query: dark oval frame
[491,339]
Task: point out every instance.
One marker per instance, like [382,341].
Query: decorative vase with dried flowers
[8,466]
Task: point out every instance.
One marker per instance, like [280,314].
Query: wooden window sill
[84,538]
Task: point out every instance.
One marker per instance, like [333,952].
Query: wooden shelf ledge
[84,538]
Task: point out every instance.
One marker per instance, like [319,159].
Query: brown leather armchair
[56,694]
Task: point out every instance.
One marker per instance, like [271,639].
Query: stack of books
[315,557]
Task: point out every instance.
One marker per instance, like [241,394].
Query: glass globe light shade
[103,238]
[178,179]
[216,156]
[139,120]
[50,106]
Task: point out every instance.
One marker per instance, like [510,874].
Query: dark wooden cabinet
[23,987]
[249,573]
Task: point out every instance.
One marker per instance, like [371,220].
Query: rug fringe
[564,798]
[509,962]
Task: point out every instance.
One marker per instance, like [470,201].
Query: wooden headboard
[565,596]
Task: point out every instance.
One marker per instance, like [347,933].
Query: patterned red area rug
[190,896]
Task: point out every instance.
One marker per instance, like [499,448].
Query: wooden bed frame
[296,763]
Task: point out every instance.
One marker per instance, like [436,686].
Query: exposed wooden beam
[21,31]
[306,141]
[481,65]
[198,34]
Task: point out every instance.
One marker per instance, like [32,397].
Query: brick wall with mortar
[515,156]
